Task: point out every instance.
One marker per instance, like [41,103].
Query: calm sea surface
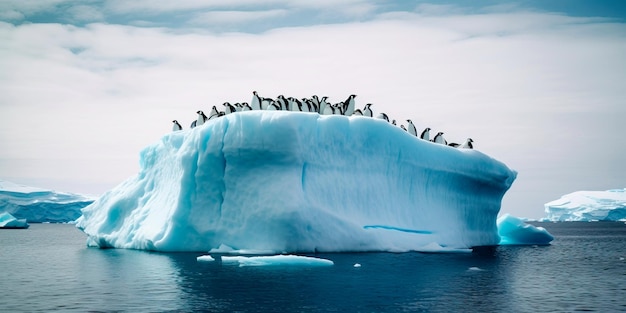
[48,268]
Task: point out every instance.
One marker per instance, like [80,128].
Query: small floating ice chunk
[513,231]
[277,260]
[205,258]
[357,265]
[475,269]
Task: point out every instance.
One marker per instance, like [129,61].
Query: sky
[539,85]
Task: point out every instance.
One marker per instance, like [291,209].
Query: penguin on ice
[176,126]
[439,139]
[383,116]
[260,103]
[282,103]
[338,108]
[348,106]
[404,128]
[328,109]
[193,124]
[426,134]
[323,104]
[357,112]
[367,111]
[229,108]
[273,106]
[214,113]
[201,118]
[256,101]
[411,128]
[468,144]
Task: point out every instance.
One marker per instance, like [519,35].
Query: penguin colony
[316,105]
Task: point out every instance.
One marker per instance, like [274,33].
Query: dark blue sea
[48,268]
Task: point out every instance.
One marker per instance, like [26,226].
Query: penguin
[454,145]
[273,106]
[229,108]
[316,100]
[193,124]
[411,128]
[214,113]
[300,106]
[338,108]
[201,118]
[439,139]
[383,116]
[282,103]
[367,111]
[313,106]
[404,128]
[394,123]
[260,103]
[357,112]
[176,126]
[426,134]
[256,101]
[468,144]
[245,106]
[347,107]
[291,104]
[328,109]
[323,104]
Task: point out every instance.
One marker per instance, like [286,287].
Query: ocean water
[48,268]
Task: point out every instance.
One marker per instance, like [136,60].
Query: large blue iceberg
[301,182]
[607,205]
[37,205]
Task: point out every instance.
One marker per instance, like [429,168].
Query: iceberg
[9,221]
[607,205]
[514,231]
[301,182]
[38,205]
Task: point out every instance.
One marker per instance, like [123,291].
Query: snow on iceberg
[607,205]
[38,205]
[301,182]
[9,221]
[514,231]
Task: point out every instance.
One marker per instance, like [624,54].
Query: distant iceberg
[607,205]
[301,182]
[38,205]
[9,221]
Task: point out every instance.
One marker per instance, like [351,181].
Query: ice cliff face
[607,205]
[287,182]
[38,205]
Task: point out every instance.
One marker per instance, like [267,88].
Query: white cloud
[102,92]
[11,15]
[235,17]
[85,13]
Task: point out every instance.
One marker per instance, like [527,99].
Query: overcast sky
[85,85]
